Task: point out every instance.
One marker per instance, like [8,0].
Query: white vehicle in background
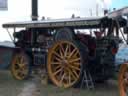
[122,54]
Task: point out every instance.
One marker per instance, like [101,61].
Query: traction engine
[67,48]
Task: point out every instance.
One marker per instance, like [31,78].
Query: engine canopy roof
[93,22]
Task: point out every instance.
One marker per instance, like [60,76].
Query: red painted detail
[114,51]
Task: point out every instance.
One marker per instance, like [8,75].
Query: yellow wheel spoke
[22,65]
[61,50]
[17,71]
[69,77]
[74,60]
[15,66]
[74,77]
[74,67]
[76,74]
[72,52]
[20,73]
[66,50]
[17,60]
[57,71]
[22,60]
[69,49]
[75,64]
[61,73]
[62,78]
[22,70]
[61,54]
[59,66]
[58,55]
[58,59]
[55,63]
[76,53]
[25,67]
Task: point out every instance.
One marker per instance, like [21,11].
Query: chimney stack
[34,7]
[105,12]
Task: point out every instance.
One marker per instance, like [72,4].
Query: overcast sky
[20,10]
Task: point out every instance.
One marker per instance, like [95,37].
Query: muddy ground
[33,87]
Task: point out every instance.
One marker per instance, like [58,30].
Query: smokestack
[105,12]
[34,10]
[114,9]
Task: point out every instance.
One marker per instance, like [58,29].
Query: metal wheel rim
[64,64]
[123,80]
[19,66]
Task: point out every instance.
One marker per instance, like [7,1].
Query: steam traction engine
[67,47]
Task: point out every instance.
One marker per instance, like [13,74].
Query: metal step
[87,80]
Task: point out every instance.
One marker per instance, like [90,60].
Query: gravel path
[31,87]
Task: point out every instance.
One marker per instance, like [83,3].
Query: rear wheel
[20,68]
[64,64]
[123,80]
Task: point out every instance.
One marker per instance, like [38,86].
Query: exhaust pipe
[34,8]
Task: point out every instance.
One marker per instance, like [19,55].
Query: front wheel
[20,68]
